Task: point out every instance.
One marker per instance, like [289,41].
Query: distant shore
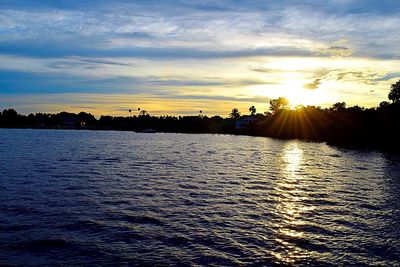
[356,127]
[372,128]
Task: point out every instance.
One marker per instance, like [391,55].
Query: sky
[176,57]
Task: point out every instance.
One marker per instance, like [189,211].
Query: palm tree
[235,114]
[252,110]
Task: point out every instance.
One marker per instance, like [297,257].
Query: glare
[291,207]
[300,96]
[297,94]
[292,158]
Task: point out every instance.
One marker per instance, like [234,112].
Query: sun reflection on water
[290,206]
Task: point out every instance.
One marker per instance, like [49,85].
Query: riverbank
[374,128]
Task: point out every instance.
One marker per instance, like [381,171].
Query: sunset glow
[184,56]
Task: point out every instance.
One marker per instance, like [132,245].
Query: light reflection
[292,158]
[291,208]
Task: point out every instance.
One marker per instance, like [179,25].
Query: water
[120,198]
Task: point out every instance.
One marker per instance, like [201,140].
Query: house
[245,122]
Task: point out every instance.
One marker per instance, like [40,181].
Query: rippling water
[101,198]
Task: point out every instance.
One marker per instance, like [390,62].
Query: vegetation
[341,125]
[394,94]
[252,110]
[235,114]
[277,104]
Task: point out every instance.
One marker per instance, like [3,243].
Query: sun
[298,95]
[304,97]
[292,87]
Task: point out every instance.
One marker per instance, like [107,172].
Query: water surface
[100,198]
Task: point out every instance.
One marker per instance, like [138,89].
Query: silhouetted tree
[143,112]
[10,117]
[87,118]
[252,110]
[355,108]
[384,104]
[267,113]
[235,114]
[394,93]
[277,104]
[339,106]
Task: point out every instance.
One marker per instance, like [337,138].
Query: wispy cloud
[388,76]
[90,63]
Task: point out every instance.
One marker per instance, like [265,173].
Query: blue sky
[177,57]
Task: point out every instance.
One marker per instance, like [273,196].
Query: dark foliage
[353,126]
[347,126]
[394,93]
[66,120]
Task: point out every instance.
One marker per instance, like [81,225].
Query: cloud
[367,77]
[85,107]
[192,29]
[169,47]
[21,82]
[313,85]
[337,51]
[389,76]
[86,63]
[63,50]
[263,70]
[351,75]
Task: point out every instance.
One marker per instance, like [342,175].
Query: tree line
[376,127]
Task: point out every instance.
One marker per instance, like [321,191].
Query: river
[122,198]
